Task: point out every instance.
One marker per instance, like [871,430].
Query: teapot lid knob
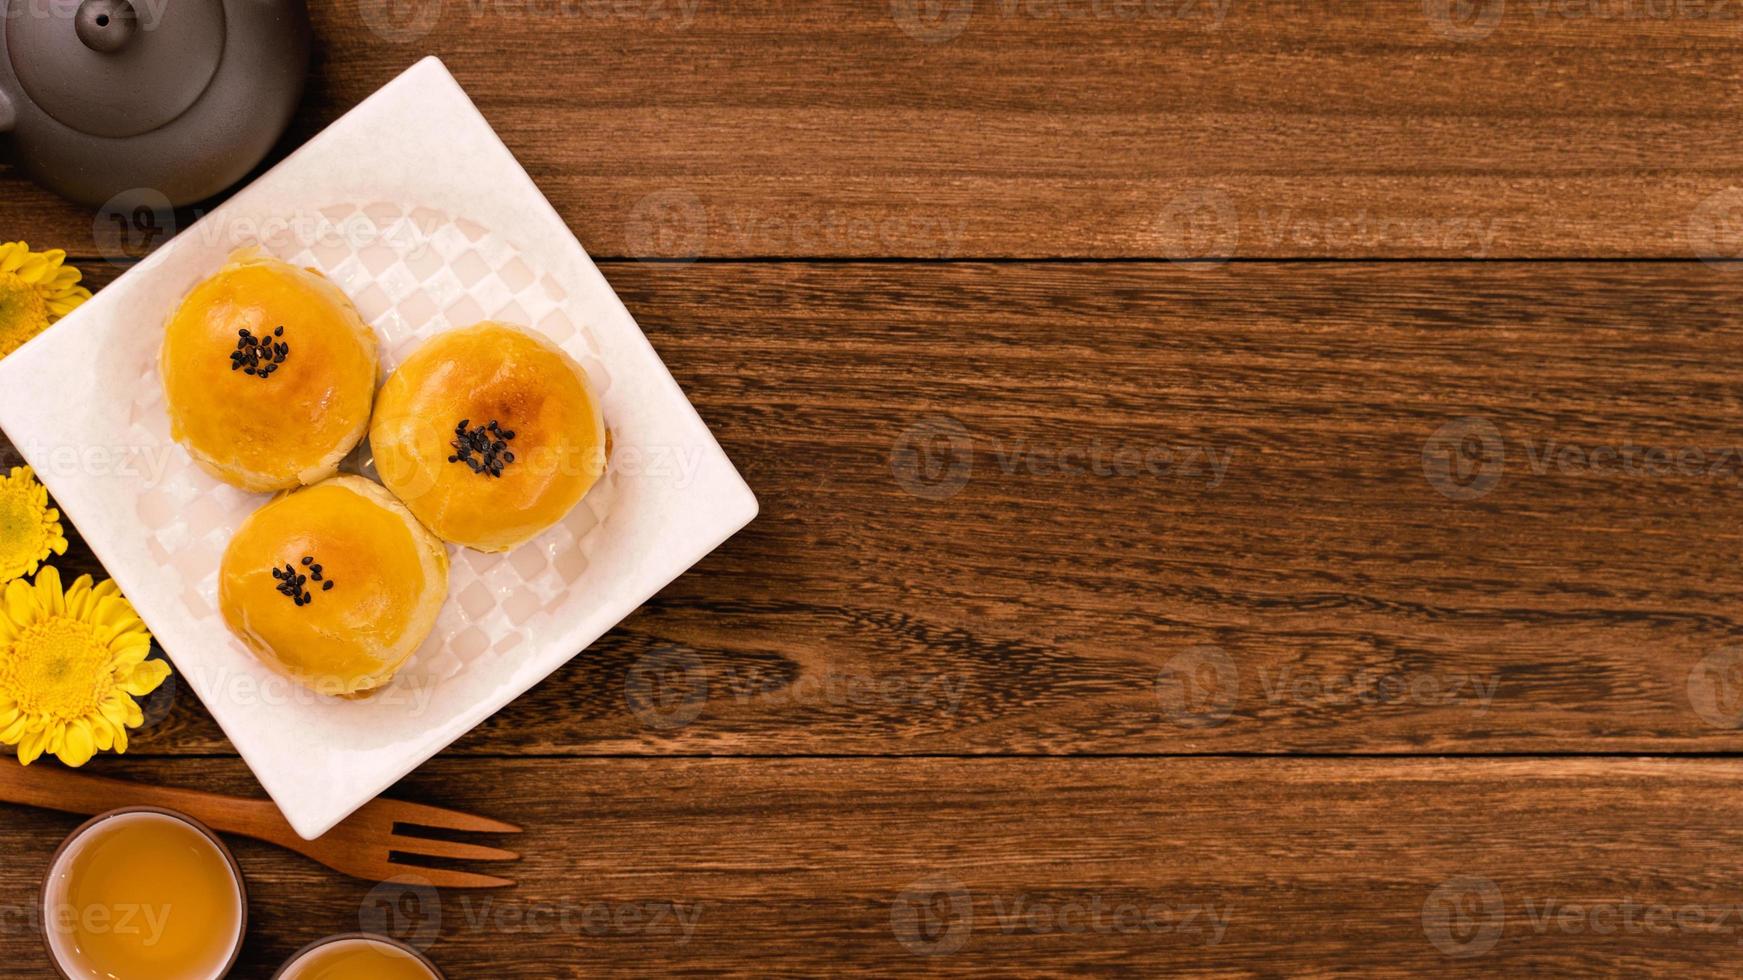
[106,25]
[114,68]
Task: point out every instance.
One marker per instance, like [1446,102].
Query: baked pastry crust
[490,434]
[276,409]
[371,587]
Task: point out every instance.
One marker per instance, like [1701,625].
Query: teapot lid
[114,68]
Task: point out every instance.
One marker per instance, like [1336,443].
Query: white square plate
[415,208]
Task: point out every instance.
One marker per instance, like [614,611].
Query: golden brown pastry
[269,374]
[490,434]
[334,585]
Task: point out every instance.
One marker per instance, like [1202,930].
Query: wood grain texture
[1100,128]
[1321,593]
[1236,868]
[1047,550]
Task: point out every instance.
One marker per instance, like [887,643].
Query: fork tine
[422,815]
[430,847]
[443,878]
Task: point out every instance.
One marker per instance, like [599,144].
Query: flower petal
[79,745]
[31,747]
[21,605]
[78,597]
[130,654]
[49,595]
[145,678]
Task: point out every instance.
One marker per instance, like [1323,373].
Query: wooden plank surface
[1272,557]
[1037,128]
[1231,868]
[1142,618]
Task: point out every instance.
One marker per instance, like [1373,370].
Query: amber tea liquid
[143,896]
[356,959]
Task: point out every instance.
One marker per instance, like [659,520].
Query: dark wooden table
[1368,602]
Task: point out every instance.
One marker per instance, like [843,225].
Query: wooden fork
[364,845]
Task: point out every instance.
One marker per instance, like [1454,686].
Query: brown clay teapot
[167,99]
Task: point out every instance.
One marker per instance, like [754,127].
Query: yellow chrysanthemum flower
[71,664]
[36,289]
[30,530]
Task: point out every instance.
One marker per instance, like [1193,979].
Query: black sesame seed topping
[258,357]
[293,585]
[483,449]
